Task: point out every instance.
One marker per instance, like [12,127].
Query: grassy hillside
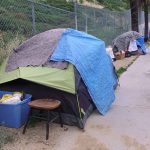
[110,4]
[115,4]
[59,3]
[16,22]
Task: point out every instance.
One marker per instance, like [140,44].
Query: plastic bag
[132,46]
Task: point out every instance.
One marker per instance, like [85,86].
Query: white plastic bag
[132,46]
[12,100]
[110,52]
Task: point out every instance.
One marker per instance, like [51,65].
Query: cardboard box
[120,55]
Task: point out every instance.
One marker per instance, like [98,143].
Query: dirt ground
[34,139]
[124,62]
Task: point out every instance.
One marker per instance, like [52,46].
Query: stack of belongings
[67,65]
[109,51]
[128,44]
[13,98]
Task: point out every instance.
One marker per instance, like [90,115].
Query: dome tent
[64,85]
[29,69]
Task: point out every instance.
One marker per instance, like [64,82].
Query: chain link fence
[15,24]
[21,19]
[103,23]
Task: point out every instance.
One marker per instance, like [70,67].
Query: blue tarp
[140,42]
[88,55]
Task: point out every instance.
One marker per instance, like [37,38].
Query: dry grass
[7,47]
[5,137]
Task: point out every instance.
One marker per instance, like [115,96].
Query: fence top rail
[49,6]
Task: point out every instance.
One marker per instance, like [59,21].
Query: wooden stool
[47,105]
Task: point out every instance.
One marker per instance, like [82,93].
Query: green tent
[30,69]
[65,85]
[49,77]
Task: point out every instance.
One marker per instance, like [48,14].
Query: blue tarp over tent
[87,53]
[140,42]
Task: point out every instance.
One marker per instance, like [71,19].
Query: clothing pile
[132,43]
[109,51]
[13,98]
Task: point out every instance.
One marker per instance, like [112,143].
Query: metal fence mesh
[103,23]
[21,19]
[48,17]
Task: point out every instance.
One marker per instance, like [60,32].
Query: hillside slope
[110,4]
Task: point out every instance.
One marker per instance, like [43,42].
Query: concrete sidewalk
[127,124]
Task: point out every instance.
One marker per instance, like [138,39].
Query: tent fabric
[75,107]
[93,64]
[6,77]
[54,64]
[50,77]
[141,44]
[35,51]
[94,81]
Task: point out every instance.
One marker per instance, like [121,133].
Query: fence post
[76,15]
[33,18]
[94,17]
[86,23]
[86,20]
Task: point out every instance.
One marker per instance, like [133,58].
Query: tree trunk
[134,14]
[146,19]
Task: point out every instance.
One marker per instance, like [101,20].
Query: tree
[134,15]
[146,19]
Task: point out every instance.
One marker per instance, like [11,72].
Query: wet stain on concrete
[132,143]
[86,142]
[101,127]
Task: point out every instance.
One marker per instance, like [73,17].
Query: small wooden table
[46,105]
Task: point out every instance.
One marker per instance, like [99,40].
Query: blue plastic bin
[14,115]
